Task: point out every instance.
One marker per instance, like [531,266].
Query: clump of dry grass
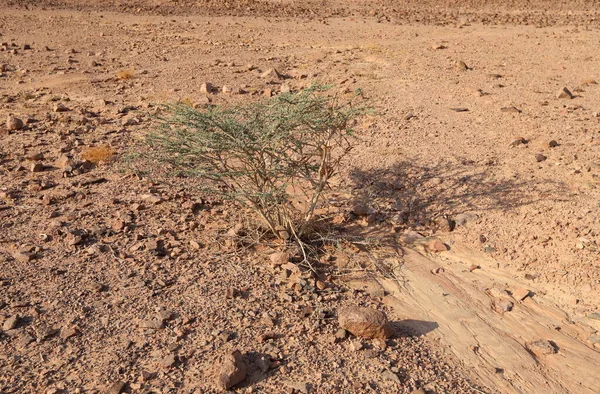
[126,74]
[98,154]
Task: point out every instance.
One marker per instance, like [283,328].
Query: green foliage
[274,156]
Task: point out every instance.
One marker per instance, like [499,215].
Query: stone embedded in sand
[271,73]
[444,224]
[365,322]
[115,388]
[588,81]
[231,370]
[61,108]
[565,93]
[10,323]
[436,246]
[542,347]
[23,257]
[14,124]
[520,294]
[168,361]
[540,157]
[553,144]
[461,66]
[361,209]
[285,88]
[207,88]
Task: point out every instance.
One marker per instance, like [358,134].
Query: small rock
[513,110]
[271,73]
[10,323]
[542,347]
[436,246]
[155,324]
[23,257]
[356,346]
[519,141]
[152,199]
[14,124]
[565,93]
[361,209]
[168,361]
[588,81]
[462,66]
[445,224]
[463,218]
[116,388]
[23,340]
[68,332]
[320,285]
[553,144]
[365,322]
[279,258]
[520,294]
[231,293]
[540,157]
[285,88]
[231,370]
[341,334]
[299,387]
[37,167]
[389,375]
[61,108]
[502,305]
[207,88]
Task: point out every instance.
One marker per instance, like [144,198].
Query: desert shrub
[274,156]
[97,154]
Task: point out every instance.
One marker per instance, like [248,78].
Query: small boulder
[565,93]
[520,294]
[272,74]
[207,88]
[436,246]
[14,124]
[231,370]
[365,322]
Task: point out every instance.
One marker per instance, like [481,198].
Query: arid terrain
[468,211]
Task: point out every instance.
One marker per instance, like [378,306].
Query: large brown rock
[365,322]
[231,371]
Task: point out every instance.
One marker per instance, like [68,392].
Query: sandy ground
[486,143]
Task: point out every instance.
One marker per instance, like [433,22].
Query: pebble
[279,258]
[389,375]
[444,224]
[116,388]
[520,294]
[231,370]
[168,361]
[542,346]
[23,257]
[207,88]
[553,144]
[14,124]
[10,323]
[462,66]
[300,387]
[61,108]
[365,322]
[564,93]
[271,73]
[68,332]
[155,324]
[436,246]
[540,157]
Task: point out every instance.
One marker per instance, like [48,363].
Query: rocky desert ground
[467,214]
